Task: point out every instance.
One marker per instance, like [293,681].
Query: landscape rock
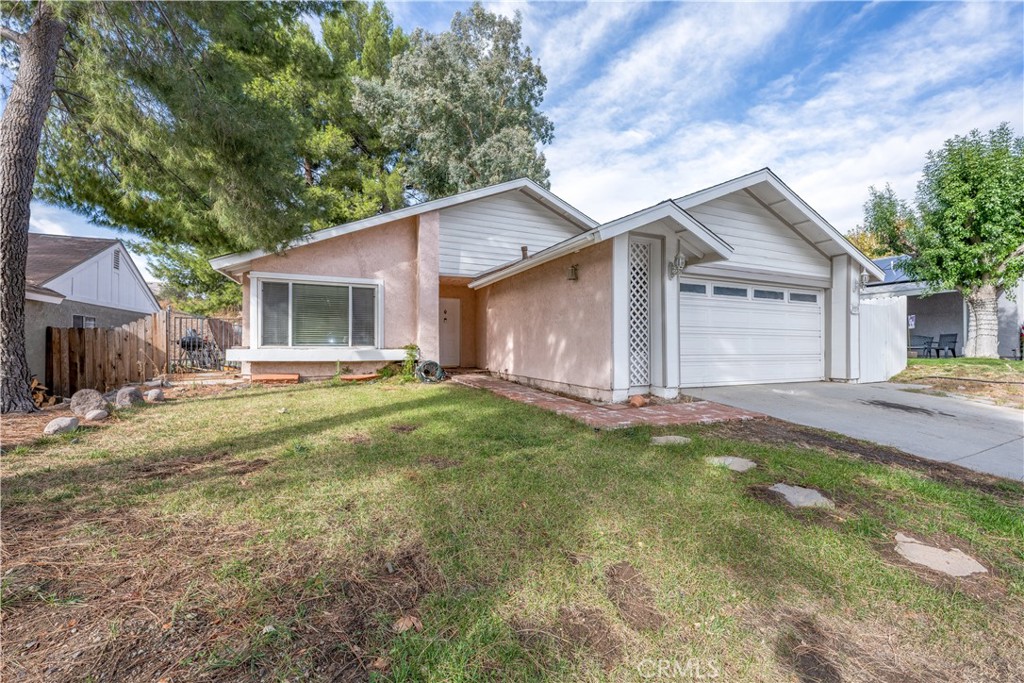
[61,425]
[638,401]
[732,462]
[110,396]
[127,397]
[952,562]
[154,383]
[155,395]
[670,440]
[96,415]
[800,497]
[86,400]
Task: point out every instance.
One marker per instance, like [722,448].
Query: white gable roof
[234,263]
[702,244]
[774,195]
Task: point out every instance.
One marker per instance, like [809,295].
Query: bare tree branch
[12,35]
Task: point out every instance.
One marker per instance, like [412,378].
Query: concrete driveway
[980,437]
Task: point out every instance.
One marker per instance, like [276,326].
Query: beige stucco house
[740,283]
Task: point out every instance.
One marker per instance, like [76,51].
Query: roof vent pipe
[525,250]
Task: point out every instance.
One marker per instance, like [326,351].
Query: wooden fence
[106,358]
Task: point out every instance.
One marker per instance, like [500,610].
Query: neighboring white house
[79,282]
[945,312]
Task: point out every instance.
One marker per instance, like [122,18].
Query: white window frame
[256,281]
[88,322]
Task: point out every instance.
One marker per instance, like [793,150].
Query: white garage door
[737,333]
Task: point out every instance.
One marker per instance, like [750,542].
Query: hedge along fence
[106,358]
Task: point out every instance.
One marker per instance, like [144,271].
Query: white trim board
[312,354]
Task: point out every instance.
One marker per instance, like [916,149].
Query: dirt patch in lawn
[778,432]
[404,428]
[438,462]
[818,649]
[633,597]
[25,429]
[577,629]
[128,597]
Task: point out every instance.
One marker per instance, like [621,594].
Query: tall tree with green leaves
[142,115]
[967,231]
[463,106]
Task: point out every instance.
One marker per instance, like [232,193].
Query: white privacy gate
[883,338]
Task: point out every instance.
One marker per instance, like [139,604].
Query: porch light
[676,265]
[573,272]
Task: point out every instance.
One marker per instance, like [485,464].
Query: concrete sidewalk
[980,437]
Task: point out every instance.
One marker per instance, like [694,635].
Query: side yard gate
[883,338]
[162,343]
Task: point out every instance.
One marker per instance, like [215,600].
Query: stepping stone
[799,497]
[951,562]
[671,440]
[733,463]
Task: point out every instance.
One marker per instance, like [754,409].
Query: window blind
[319,315]
[275,314]
[364,316]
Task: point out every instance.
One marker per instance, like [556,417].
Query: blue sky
[656,100]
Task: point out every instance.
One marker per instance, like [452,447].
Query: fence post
[167,340]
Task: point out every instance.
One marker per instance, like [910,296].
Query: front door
[449,317]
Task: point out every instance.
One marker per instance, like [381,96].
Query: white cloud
[647,127]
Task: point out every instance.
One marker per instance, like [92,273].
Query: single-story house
[740,283]
[938,313]
[79,282]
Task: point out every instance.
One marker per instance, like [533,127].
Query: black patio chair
[921,344]
[947,342]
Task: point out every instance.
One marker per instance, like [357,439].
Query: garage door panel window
[769,295]
[315,314]
[737,292]
[803,298]
[692,288]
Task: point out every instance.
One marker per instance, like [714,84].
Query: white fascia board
[45,298]
[551,253]
[670,211]
[765,175]
[902,289]
[233,263]
[314,354]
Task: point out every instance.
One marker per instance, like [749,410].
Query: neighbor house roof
[233,263]
[774,195]
[890,265]
[50,256]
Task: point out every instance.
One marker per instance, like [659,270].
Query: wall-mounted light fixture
[573,272]
[676,265]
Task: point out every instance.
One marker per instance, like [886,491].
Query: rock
[951,562]
[154,383]
[110,396]
[96,415]
[155,395]
[733,463]
[127,397]
[638,401]
[61,425]
[669,440]
[86,400]
[800,497]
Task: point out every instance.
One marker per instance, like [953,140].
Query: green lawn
[282,534]
[992,379]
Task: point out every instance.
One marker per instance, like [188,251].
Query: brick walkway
[609,417]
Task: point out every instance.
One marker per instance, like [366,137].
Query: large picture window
[317,314]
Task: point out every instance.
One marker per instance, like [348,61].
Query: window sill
[314,354]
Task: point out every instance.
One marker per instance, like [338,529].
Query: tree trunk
[983,323]
[21,128]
